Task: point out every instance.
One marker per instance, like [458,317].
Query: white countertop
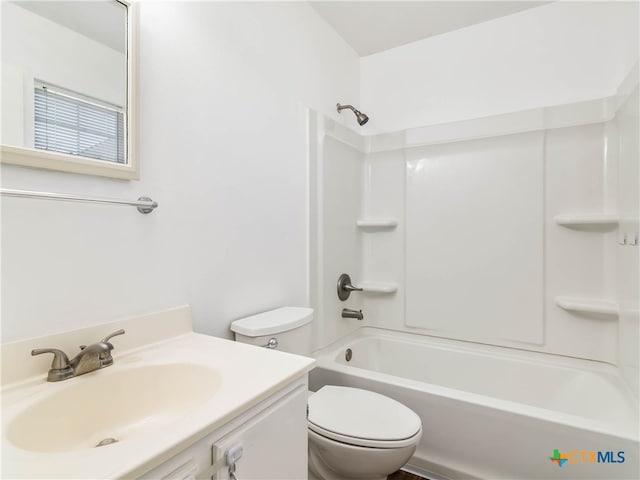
[247,375]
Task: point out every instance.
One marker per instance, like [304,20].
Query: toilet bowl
[353,433]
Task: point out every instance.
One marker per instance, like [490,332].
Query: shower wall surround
[336,164]
[473,238]
[627,124]
[478,253]
[484,259]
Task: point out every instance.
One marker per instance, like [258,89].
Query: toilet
[353,433]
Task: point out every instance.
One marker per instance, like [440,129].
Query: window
[71,123]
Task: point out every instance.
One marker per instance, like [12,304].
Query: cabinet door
[274,442]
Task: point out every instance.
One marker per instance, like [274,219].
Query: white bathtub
[492,412]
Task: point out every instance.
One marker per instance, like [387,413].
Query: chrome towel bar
[144,204]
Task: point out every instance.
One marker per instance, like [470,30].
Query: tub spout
[349,313]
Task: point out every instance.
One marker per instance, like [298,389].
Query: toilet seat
[362,418]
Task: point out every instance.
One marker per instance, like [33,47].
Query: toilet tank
[287,329]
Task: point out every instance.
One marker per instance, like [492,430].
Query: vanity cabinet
[272,435]
[178,401]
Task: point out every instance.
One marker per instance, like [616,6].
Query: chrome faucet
[90,358]
[349,313]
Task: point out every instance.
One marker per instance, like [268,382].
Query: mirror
[68,86]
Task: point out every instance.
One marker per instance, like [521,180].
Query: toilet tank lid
[274,321]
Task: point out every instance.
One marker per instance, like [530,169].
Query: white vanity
[179,405]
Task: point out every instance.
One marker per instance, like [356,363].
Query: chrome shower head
[361,117]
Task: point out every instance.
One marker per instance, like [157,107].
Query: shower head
[361,117]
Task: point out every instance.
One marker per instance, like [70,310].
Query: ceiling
[371,26]
[104,21]
[368,26]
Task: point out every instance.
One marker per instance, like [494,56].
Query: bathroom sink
[106,407]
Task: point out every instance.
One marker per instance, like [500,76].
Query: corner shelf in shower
[374,224]
[378,287]
[588,305]
[586,219]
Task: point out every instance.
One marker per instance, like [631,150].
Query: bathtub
[492,412]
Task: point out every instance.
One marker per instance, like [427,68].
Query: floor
[401,475]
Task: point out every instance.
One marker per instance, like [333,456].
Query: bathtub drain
[106,441]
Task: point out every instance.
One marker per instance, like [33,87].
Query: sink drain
[106,441]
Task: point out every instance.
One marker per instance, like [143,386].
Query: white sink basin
[119,404]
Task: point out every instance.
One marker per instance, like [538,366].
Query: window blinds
[67,122]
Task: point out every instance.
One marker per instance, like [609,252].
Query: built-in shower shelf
[605,219]
[588,305]
[378,287]
[372,224]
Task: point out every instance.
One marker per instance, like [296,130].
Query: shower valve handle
[351,288]
[345,288]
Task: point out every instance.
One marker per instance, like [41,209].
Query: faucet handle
[111,335]
[60,359]
[60,367]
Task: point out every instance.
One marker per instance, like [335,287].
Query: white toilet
[353,433]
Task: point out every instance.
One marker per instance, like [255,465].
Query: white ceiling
[104,21]
[368,26]
[371,26]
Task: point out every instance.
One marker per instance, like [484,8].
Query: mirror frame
[31,157]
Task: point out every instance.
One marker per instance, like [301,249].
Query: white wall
[558,53]
[34,47]
[224,89]
[223,97]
